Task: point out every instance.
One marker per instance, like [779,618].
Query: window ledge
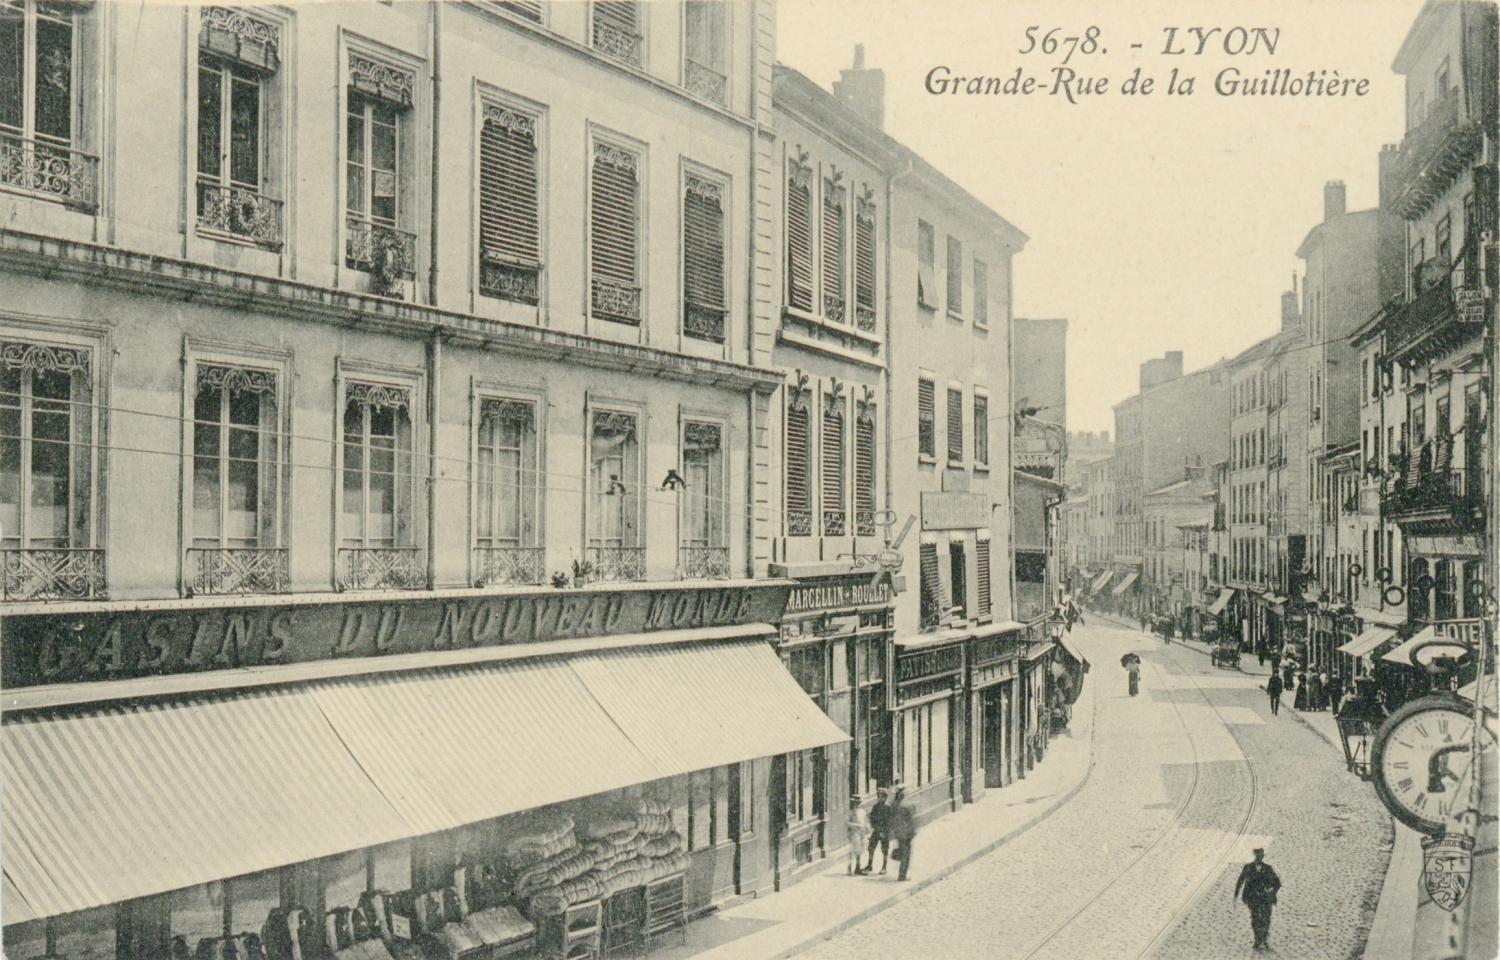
[785,335]
[956,465]
[925,305]
[927,459]
[848,330]
[981,468]
[956,317]
[982,326]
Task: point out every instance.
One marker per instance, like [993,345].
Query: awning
[1125,584]
[105,804]
[1100,581]
[1221,601]
[1072,651]
[1402,654]
[1470,691]
[1367,641]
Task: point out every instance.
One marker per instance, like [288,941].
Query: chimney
[862,90]
[1333,200]
[1289,316]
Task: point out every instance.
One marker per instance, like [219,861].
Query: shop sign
[929,663]
[1468,632]
[925,689]
[990,673]
[1470,303]
[61,648]
[991,649]
[955,511]
[837,594]
[1455,546]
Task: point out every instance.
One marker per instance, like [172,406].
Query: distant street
[1188,777]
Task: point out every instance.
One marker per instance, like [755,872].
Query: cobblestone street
[1187,779]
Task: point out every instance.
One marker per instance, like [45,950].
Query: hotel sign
[63,648]
[955,511]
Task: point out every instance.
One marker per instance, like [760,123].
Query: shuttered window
[833,467]
[617,30]
[932,586]
[926,265]
[526,9]
[614,235]
[864,267]
[798,471]
[955,426]
[981,294]
[703,259]
[799,255]
[955,276]
[982,575]
[704,64]
[981,430]
[926,418]
[509,218]
[864,475]
[833,251]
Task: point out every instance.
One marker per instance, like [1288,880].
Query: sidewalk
[829,901]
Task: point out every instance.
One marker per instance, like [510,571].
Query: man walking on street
[1259,884]
[880,831]
[903,822]
[1273,687]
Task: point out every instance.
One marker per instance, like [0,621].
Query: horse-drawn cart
[1225,655]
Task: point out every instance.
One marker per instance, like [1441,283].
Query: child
[859,833]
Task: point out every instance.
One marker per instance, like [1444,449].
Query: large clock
[1421,761]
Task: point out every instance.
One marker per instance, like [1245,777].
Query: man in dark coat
[880,831]
[1273,687]
[903,829]
[1257,886]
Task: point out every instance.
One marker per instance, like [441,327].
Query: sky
[1157,222]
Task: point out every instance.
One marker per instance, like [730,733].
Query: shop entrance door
[992,737]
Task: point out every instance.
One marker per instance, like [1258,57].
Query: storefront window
[806,666]
[804,799]
[197,913]
[87,935]
[1446,583]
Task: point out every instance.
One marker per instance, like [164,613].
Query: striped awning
[1100,581]
[1221,601]
[1402,654]
[1367,641]
[104,804]
[1125,584]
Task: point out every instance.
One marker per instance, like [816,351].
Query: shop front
[466,774]
[993,709]
[1034,686]
[929,724]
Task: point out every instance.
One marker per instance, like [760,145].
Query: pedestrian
[1273,688]
[1260,654]
[1299,701]
[880,831]
[1288,671]
[1257,886]
[1315,691]
[858,826]
[903,829]
[1329,695]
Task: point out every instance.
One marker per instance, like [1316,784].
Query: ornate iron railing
[239,212]
[616,301]
[49,170]
[617,563]
[833,307]
[833,523]
[381,249]
[703,322]
[705,82]
[864,523]
[382,568]
[238,570]
[703,563]
[52,573]
[864,318]
[616,43]
[509,565]
[799,523]
[509,279]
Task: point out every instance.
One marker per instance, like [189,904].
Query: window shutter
[703,259]
[613,256]
[509,228]
[833,251]
[981,429]
[955,276]
[864,267]
[932,586]
[617,29]
[956,425]
[798,471]
[526,9]
[833,467]
[981,293]
[926,418]
[982,587]
[864,476]
[799,240]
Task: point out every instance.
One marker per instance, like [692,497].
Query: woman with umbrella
[1132,665]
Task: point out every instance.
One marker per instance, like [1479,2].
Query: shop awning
[1367,641]
[1072,651]
[1221,601]
[1100,581]
[1402,653]
[1470,691]
[1125,584]
[15,909]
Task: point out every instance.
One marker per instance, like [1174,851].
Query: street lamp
[1358,718]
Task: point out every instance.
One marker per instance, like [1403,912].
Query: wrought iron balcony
[239,212]
[507,279]
[49,170]
[382,568]
[617,563]
[386,252]
[218,570]
[1433,153]
[1449,495]
[703,322]
[703,563]
[616,43]
[53,573]
[864,317]
[799,523]
[616,301]
[833,523]
[833,307]
[1433,321]
[509,565]
[705,82]
[864,523]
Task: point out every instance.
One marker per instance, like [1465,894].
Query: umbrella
[1128,659]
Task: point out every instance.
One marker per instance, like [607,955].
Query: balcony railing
[864,317]
[703,563]
[507,279]
[1432,154]
[617,563]
[382,568]
[705,82]
[864,523]
[614,42]
[1429,323]
[616,301]
[387,253]
[509,565]
[53,573]
[833,307]
[799,523]
[703,322]
[49,170]
[239,212]
[833,523]
[219,570]
[1452,491]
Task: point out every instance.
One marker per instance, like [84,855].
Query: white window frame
[685,418]
[601,137]
[726,40]
[413,382]
[592,406]
[27,130]
[484,391]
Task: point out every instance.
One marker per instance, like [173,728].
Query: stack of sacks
[550,837]
[662,850]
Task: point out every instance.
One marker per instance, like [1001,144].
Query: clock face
[1421,760]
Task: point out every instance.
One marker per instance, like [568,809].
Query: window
[925,737]
[1445,583]
[864,265]
[614,233]
[614,480]
[237,55]
[509,213]
[508,493]
[703,309]
[926,418]
[932,587]
[798,468]
[617,30]
[833,250]
[39,81]
[709,807]
[981,294]
[958,577]
[803,790]
[833,467]
[235,463]
[703,501]
[955,426]
[926,266]
[955,277]
[981,430]
[704,68]
[525,9]
[378,486]
[1440,85]
[864,472]
[799,250]
[379,101]
[1443,249]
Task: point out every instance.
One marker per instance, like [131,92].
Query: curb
[927,881]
